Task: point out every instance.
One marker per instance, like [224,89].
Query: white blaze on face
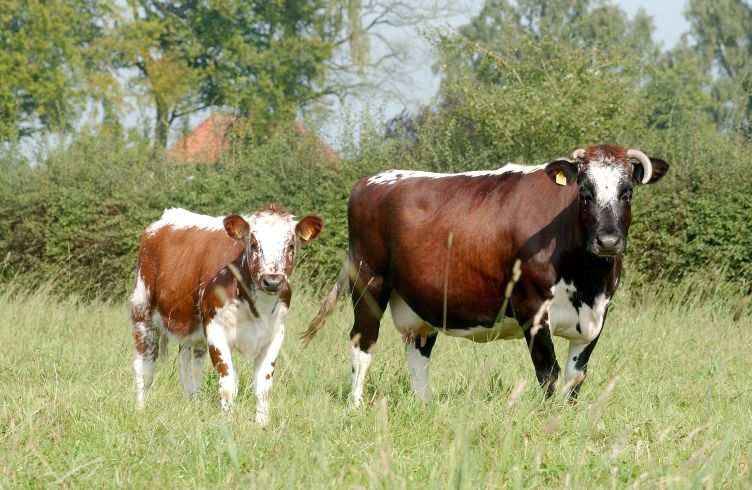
[274,233]
[607,179]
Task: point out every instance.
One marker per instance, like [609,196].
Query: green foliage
[43,55]
[720,30]
[263,59]
[81,213]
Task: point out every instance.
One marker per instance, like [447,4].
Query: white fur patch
[274,233]
[183,219]
[574,376]
[606,178]
[564,317]
[360,362]
[217,338]
[140,296]
[392,176]
[418,367]
[408,323]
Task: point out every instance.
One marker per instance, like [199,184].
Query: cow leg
[263,375]
[191,368]
[576,368]
[219,351]
[541,348]
[418,353]
[369,301]
[146,340]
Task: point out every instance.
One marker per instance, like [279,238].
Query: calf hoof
[262,419]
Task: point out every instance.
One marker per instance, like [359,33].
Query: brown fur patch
[138,339]
[274,209]
[605,152]
[218,362]
[177,265]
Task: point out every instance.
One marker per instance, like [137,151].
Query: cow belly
[410,324]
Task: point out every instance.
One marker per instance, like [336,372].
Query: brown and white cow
[217,283]
[440,250]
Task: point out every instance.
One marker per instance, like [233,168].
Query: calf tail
[327,306]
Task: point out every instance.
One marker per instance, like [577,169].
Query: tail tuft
[326,308]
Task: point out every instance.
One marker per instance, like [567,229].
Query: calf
[217,284]
[442,250]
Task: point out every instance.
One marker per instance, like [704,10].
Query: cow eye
[626,196]
[586,196]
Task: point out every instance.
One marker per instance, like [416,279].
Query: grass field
[667,404]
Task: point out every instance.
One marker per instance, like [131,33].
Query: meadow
[667,404]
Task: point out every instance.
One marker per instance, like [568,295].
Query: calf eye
[626,196]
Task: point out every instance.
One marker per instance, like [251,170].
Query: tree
[534,78]
[260,58]
[722,32]
[44,50]
[368,56]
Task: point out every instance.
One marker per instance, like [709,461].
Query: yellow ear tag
[561,179]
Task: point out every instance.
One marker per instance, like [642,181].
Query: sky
[423,84]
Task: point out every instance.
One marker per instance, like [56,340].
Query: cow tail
[327,306]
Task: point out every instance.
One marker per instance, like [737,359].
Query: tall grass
[666,404]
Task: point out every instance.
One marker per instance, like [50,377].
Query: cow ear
[562,172]
[237,227]
[660,168]
[309,227]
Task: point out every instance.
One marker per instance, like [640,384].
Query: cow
[217,284]
[521,251]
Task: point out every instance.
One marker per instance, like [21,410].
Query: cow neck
[246,287]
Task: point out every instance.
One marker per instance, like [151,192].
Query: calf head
[272,238]
[605,176]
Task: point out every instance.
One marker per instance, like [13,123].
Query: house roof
[206,143]
[209,141]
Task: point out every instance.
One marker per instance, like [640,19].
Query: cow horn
[645,161]
[578,154]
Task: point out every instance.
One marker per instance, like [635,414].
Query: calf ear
[237,227]
[660,168]
[562,172]
[309,227]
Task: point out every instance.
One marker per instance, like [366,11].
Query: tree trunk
[161,125]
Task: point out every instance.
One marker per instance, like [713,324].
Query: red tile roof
[209,141]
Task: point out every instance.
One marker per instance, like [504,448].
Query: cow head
[272,237]
[605,176]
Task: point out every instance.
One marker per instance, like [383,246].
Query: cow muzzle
[609,244]
[272,283]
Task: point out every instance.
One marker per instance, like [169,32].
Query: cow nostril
[271,281]
[609,241]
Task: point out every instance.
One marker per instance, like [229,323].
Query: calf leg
[219,351]
[191,368]
[263,375]
[146,340]
[369,301]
